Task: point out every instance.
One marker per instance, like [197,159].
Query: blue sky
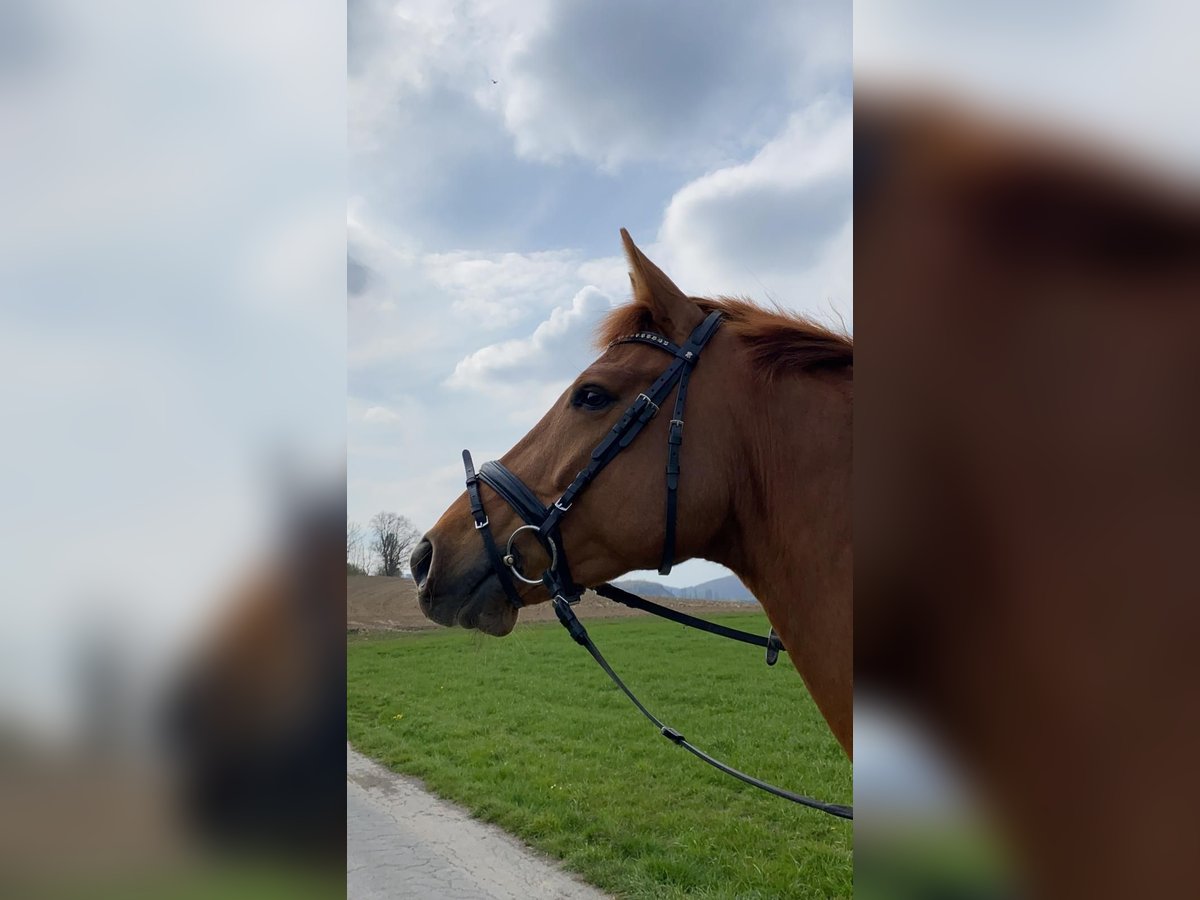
[495,151]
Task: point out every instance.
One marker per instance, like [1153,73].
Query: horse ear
[673,311]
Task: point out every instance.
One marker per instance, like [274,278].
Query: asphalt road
[402,841]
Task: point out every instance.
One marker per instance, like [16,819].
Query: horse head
[606,481]
[618,523]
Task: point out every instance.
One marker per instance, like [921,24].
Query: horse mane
[779,341]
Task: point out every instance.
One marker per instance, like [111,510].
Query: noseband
[544,521]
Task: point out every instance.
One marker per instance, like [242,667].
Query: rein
[571,622]
[544,521]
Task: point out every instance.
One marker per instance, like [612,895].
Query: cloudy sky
[1130,70]
[495,151]
[171,275]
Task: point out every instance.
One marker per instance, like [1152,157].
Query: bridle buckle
[649,402]
[481,525]
[774,645]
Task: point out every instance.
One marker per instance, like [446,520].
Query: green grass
[529,733]
[955,859]
[225,880]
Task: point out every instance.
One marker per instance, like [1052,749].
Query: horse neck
[792,524]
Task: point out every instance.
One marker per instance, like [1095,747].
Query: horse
[1026,482]
[254,717]
[763,480]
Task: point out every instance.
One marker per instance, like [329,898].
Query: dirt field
[374,603]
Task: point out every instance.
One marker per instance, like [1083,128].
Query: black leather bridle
[544,521]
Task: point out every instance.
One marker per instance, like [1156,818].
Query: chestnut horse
[1027,470]
[255,717]
[764,487]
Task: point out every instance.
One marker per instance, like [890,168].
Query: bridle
[544,522]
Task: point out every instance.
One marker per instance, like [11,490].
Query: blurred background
[172,329]
[1027,232]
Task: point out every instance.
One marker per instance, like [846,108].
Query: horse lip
[469,612]
[435,612]
[465,614]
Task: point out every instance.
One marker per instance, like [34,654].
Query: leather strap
[516,494]
[485,531]
[674,443]
[686,358]
[513,491]
[575,628]
[633,601]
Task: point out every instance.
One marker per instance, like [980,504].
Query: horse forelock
[779,341]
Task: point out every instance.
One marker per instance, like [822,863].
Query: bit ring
[510,559]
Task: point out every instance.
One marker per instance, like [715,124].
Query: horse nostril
[419,562]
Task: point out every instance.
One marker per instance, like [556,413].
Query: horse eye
[591,397]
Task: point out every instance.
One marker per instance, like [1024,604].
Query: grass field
[527,732]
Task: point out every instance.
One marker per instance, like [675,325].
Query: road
[402,842]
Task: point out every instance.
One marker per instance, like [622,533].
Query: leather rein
[543,521]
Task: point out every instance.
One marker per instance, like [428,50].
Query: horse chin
[498,619]
[483,607]
[488,611]
[491,615]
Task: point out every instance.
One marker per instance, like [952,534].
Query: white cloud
[608,273]
[606,82]
[676,81]
[496,290]
[778,225]
[553,353]
[397,51]
[380,415]
[427,307]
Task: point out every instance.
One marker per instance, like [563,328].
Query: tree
[358,552]
[393,540]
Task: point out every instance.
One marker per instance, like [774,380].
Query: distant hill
[646,588]
[726,588]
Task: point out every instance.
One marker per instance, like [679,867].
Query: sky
[495,150]
[1126,81]
[171,313]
